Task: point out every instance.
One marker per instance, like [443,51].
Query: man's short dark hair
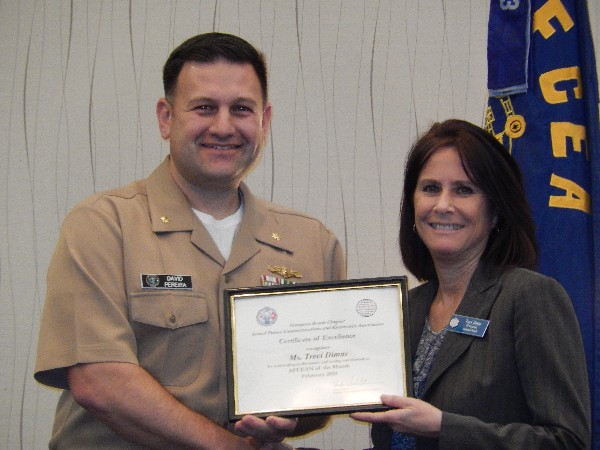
[209,48]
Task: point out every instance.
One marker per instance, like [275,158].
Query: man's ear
[163,114]
[266,121]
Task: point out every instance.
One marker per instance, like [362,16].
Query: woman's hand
[409,415]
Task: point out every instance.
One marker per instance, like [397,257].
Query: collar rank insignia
[284,271]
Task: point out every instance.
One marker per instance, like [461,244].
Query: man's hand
[270,430]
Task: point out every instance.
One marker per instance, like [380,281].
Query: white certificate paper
[317,347]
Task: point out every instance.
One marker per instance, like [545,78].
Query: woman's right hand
[410,415]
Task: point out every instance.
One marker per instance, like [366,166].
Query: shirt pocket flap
[169,310]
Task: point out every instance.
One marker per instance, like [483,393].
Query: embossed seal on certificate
[366,307]
[266,316]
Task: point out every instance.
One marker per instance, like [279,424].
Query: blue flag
[543,106]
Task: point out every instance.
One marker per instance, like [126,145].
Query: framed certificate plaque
[317,348]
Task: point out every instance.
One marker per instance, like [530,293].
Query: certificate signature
[353,381]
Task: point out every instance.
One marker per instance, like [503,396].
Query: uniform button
[227,279]
[172,318]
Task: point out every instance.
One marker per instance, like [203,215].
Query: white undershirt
[222,231]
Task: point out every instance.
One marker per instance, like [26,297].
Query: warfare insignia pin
[284,271]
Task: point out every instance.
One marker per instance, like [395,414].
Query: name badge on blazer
[164,281]
[468,325]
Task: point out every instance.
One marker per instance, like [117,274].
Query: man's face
[216,122]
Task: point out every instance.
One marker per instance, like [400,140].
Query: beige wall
[352,83]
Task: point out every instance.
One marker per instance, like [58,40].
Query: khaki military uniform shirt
[97,309]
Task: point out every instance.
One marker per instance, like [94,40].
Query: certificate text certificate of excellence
[311,350]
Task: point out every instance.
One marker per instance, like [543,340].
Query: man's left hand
[270,430]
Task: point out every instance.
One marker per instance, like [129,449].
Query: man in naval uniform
[133,323]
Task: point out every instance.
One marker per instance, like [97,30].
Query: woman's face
[452,215]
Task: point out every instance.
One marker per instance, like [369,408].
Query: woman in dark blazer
[498,360]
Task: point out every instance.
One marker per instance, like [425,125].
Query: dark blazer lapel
[477,302]
[419,304]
